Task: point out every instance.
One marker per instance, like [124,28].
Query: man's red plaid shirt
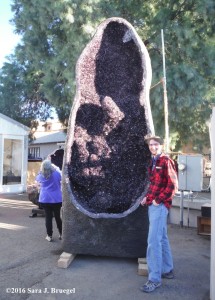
[163,181]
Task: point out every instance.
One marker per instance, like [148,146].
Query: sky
[8,39]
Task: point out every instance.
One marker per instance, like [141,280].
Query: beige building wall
[33,170]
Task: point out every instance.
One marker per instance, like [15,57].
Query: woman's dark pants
[52,209]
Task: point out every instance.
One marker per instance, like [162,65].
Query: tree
[190,72]
[54,33]
[20,97]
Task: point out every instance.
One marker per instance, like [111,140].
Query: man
[163,185]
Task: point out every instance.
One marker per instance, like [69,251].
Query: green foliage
[20,97]
[56,31]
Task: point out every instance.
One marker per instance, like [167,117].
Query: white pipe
[212,273]
[165,97]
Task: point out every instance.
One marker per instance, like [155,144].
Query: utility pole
[165,98]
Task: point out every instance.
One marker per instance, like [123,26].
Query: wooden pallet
[203,225]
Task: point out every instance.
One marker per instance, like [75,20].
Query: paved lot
[28,264]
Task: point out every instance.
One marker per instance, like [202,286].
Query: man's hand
[143,202]
[155,203]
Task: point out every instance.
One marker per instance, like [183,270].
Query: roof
[56,137]
[8,119]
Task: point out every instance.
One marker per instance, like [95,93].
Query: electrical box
[190,172]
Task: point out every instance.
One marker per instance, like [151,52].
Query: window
[34,152]
[12,163]
[48,126]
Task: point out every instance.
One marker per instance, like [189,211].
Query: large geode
[106,157]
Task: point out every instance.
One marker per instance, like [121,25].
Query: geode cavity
[106,157]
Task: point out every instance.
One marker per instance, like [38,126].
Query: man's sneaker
[169,275]
[150,286]
[60,237]
[49,238]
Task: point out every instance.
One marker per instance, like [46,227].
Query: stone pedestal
[121,237]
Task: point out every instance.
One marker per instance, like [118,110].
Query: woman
[50,197]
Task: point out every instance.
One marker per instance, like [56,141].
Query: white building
[47,127]
[48,137]
[45,145]
[13,155]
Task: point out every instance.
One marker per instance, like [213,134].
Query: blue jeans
[159,256]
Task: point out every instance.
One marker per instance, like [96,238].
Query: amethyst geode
[106,157]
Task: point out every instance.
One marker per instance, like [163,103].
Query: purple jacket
[50,189]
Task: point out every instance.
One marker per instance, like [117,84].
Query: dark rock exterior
[106,157]
[57,158]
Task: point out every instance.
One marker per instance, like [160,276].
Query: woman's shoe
[49,238]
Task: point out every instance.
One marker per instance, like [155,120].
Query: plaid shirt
[163,181]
